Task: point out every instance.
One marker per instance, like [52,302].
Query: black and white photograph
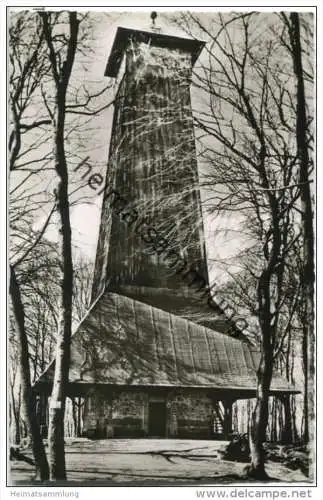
[161,246]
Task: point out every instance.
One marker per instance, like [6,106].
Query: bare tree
[303,140]
[42,56]
[27,66]
[248,146]
[26,390]
[61,72]
[14,391]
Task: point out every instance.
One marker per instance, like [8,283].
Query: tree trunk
[61,75]
[308,274]
[14,414]
[17,430]
[62,360]
[257,434]
[17,417]
[28,407]
[305,434]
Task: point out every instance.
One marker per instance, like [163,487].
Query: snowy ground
[151,461]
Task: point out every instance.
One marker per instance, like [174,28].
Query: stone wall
[97,416]
[107,416]
[129,414]
[188,415]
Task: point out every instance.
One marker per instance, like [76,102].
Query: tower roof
[156,38]
[126,342]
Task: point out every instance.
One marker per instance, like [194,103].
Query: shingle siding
[152,164]
[126,342]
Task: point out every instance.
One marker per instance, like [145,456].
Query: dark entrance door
[157,419]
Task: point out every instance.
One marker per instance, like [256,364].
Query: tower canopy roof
[125,342]
[155,37]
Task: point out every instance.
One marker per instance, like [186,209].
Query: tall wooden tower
[155,229]
[140,359]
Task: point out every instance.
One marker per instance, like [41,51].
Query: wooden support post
[287,431]
[109,420]
[79,413]
[227,422]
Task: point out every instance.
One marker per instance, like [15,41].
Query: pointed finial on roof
[153,16]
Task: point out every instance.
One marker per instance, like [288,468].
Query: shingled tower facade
[151,232]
